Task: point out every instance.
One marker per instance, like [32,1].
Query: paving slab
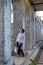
[40,61]
[18,60]
[40,64]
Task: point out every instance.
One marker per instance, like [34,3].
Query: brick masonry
[27,28]
[18,13]
[17,9]
[18,18]
[32,29]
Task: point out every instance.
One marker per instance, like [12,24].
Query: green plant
[12,45]
[41,46]
[33,62]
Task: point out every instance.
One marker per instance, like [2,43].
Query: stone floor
[18,60]
[40,61]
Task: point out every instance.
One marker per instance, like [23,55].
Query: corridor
[14,15]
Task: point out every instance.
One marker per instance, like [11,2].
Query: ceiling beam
[36,3]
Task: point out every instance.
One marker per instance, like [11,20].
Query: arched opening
[12,42]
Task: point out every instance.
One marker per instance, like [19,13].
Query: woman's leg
[19,51]
[18,48]
[22,52]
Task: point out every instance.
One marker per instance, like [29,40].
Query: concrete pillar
[1,32]
[23,21]
[5,32]
[17,18]
[7,28]
[37,28]
[41,32]
[27,25]
[34,30]
[24,34]
[31,30]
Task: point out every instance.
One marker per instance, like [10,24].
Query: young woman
[19,40]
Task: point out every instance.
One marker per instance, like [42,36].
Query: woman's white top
[20,38]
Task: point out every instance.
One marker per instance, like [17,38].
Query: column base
[9,62]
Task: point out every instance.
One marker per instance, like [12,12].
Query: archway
[18,18]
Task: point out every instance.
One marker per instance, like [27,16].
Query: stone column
[7,33]
[31,30]
[41,32]
[34,30]
[17,13]
[39,29]
[27,25]
[23,20]
[24,33]
[30,33]
[19,18]
[1,32]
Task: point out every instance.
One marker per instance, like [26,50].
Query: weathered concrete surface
[5,33]
[1,31]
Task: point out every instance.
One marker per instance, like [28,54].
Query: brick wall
[17,9]
[18,17]
[27,28]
